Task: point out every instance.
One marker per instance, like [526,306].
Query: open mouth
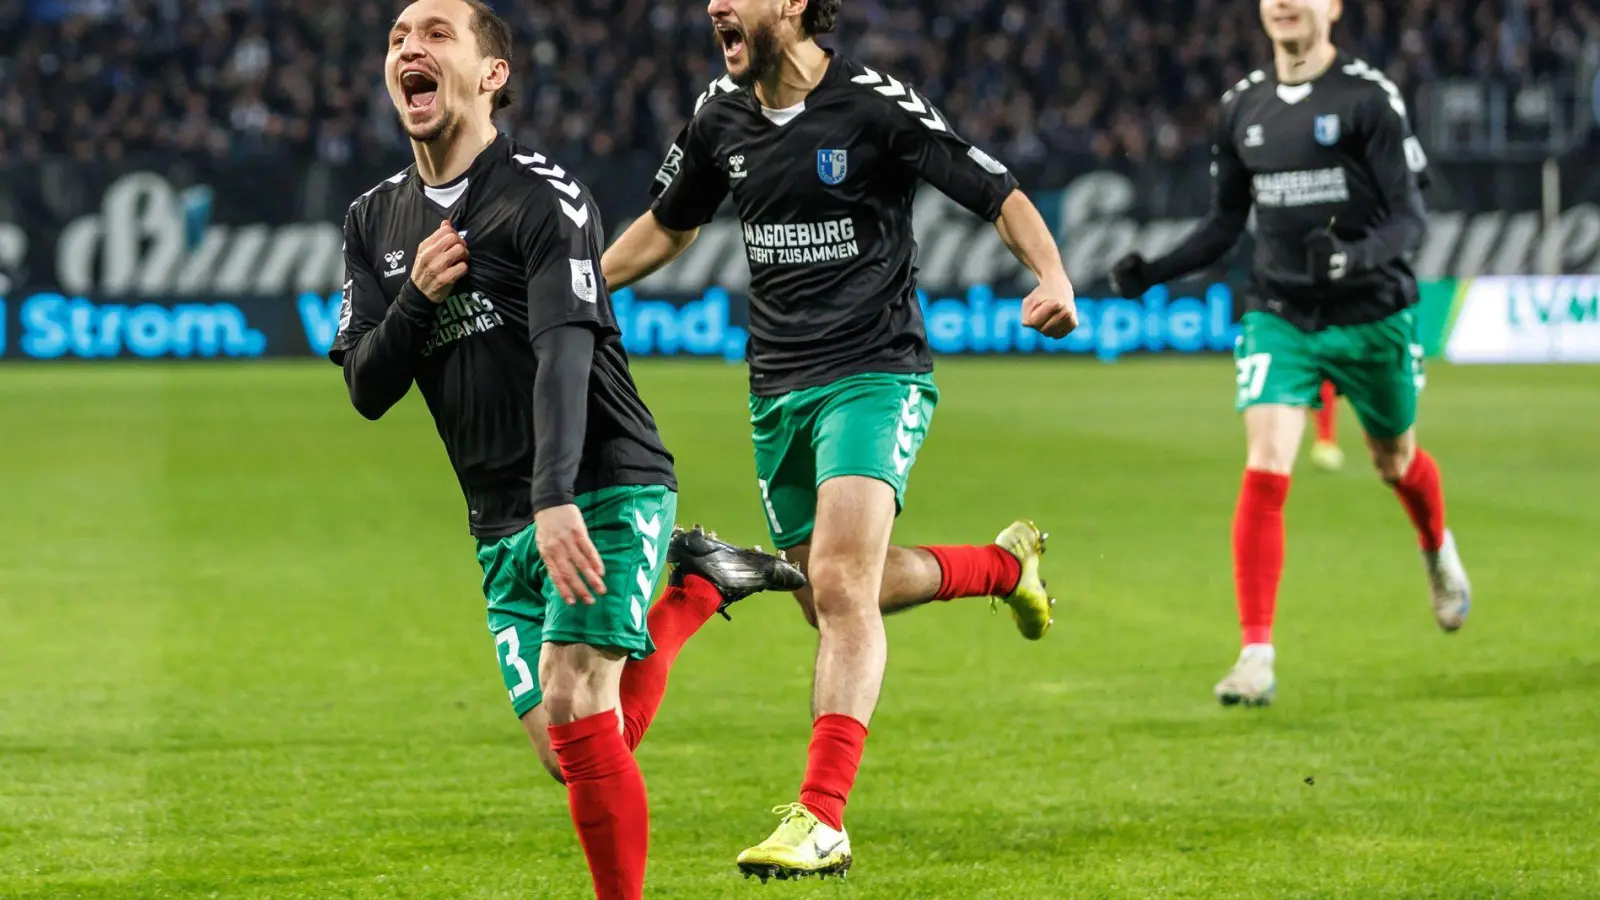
[732,39]
[1286,20]
[420,89]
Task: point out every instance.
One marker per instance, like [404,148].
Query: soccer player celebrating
[1321,146]
[822,157]
[1325,452]
[474,274]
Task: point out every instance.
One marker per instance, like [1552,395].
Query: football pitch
[243,654]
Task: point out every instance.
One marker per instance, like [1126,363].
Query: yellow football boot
[1327,456]
[1030,603]
[801,847]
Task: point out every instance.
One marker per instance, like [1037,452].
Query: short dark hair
[820,17]
[494,40]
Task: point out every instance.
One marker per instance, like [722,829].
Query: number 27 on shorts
[1252,375]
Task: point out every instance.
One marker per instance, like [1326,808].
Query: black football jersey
[1334,154]
[824,191]
[534,240]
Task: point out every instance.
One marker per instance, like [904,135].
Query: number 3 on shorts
[1252,375]
[507,638]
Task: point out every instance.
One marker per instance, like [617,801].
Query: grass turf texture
[244,655]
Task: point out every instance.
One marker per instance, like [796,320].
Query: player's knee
[839,589]
[1391,457]
[566,700]
[1391,465]
[1270,456]
[1272,437]
[578,680]
[570,696]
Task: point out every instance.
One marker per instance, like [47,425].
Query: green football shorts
[870,425]
[1376,365]
[630,526]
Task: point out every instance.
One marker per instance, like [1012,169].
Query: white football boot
[1447,578]
[1250,681]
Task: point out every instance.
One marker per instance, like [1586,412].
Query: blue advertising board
[1193,318]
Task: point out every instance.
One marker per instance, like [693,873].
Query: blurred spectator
[598,78]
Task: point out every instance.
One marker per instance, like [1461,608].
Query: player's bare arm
[644,246]
[1050,307]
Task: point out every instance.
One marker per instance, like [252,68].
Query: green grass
[242,654]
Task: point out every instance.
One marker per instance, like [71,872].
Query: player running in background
[822,157]
[473,273]
[1321,146]
[1325,452]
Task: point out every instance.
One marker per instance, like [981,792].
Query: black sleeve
[569,308]
[1230,210]
[1394,161]
[922,139]
[564,356]
[378,343]
[688,187]
[560,247]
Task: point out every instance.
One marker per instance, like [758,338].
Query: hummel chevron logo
[723,85]
[910,417]
[891,87]
[556,176]
[650,527]
[650,531]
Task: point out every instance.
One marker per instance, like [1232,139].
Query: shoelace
[794,814]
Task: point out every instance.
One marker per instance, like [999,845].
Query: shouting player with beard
[475,274]
[822,157]
[1321,147]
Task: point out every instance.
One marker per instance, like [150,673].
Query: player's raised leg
[1325,452]
[708,576]
[855,515]
[1383,378]
[1006,571]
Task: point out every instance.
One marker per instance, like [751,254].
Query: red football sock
[1328,415]
[674,618]
[974,571]
[835,755]
[1423,495]
[1258,551]
[605,792]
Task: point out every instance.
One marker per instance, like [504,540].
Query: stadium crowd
[104,79]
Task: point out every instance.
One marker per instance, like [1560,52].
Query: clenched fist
[441,261]
[1051,309]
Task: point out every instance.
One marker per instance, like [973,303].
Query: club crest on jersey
[583,283]
[832,165]
[1326,129]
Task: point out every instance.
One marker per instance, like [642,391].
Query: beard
[763,53]
[444,129]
